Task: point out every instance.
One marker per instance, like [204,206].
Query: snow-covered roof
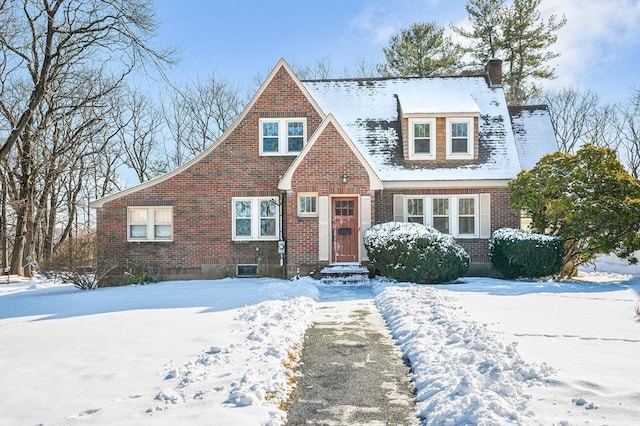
[533,133]
[438,101]
[368,111]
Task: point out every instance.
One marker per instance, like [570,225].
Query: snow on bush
[463,374]
[413,252]
[522,254]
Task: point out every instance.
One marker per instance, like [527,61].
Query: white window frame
[476,216]
[434,216]
[432,139]
[255,220]
[150,224]
[283,136]
[424,207]
[470,154]
[307,195]
[453,212]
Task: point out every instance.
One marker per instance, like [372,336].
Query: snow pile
[462,372]
[261,364]
[610,263]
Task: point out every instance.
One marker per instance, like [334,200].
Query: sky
[242,40]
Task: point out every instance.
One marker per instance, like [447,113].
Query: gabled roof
[368,111]
[286,180]
[282,64]
[533,133]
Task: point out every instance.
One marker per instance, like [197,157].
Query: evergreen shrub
[412,252]
[523,254]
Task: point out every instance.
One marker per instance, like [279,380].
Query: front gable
[330,163]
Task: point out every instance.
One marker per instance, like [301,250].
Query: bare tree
[139,122]
[58,60]
[197,115]
[572,115]
[629,131]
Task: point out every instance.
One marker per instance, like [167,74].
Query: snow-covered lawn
[220,352]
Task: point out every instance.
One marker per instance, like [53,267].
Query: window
[441,214]
[456,215]
[466,216]
[255,219]
[422,138]
[415,210]
[307,204]
[150,223]
[282,136]
[460,138]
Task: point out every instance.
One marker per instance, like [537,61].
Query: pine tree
[422,50]
[486,18]
[518,35]
[526,39]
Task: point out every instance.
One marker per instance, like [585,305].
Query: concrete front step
[346,273]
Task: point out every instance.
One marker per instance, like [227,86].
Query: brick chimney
[494,72]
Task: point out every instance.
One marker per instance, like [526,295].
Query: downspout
[283,241]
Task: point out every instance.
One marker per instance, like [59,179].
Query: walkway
[352,372]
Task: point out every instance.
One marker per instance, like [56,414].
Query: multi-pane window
[268,218]
[282,136]
[415,210]
[307,205]
[460,138]
[270,136]
[466,216]
[255,219]
[440,209]
[421,138]
[456,215]
[295,136]
[242,219]
[150,223]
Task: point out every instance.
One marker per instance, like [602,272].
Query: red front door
[345,229]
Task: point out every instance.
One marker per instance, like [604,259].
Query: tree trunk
[3,229]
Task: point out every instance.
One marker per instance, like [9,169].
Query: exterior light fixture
[345,177]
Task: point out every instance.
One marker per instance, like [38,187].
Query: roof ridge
[356,79]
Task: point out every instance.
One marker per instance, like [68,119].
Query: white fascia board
[428,184]
[282,63]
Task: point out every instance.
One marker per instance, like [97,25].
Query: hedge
[522,254]
[412,252]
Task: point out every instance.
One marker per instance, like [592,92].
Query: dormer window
[282,136]
[460,138]
[422,138]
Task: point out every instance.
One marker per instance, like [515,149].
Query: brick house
[309,166]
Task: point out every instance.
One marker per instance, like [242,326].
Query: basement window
[250,270]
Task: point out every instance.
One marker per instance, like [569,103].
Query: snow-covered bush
[416,253]
[522,254]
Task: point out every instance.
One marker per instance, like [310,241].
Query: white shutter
[398,208]
[485,216]
[324,233]
[365,223]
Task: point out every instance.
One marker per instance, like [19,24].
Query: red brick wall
[320,172]
[201,194]
[502,215]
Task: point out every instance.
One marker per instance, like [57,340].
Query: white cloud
[374,21]
[379,20]
[598,34]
